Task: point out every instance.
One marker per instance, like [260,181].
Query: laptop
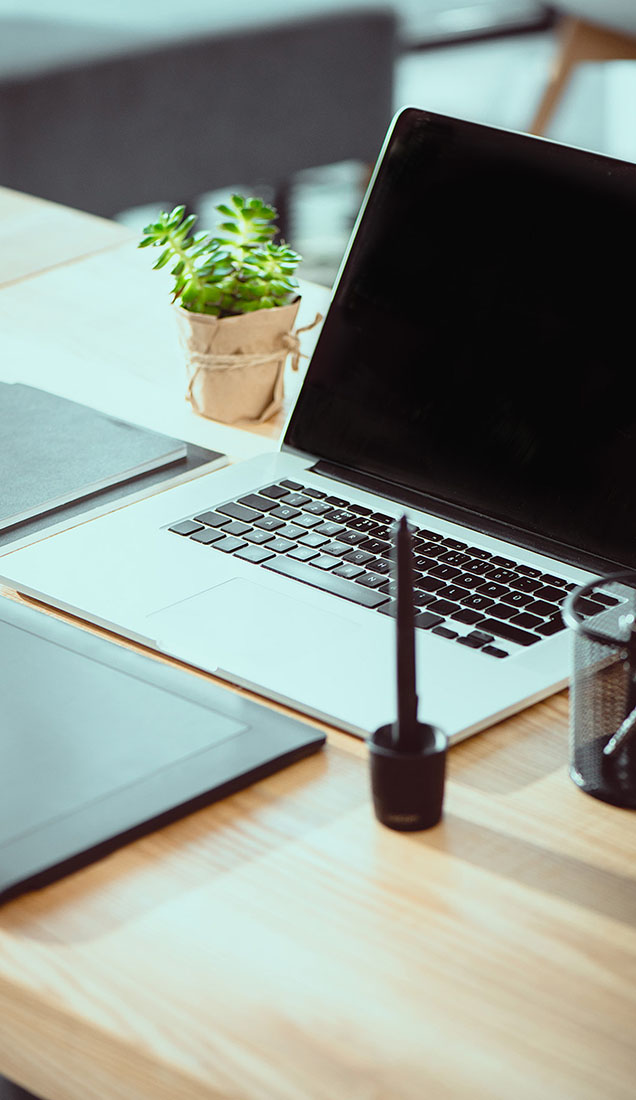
[474,372]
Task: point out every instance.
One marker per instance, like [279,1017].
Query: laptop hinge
[477,521]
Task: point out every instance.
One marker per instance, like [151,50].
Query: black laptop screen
[480,344]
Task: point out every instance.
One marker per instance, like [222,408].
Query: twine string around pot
[290,345]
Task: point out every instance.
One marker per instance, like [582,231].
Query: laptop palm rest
[256,634]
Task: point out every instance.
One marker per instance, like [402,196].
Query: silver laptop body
[470,372]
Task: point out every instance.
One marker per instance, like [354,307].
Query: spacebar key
[338,586]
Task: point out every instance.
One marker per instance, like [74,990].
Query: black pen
[405,732]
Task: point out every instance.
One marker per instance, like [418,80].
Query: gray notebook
[54,451]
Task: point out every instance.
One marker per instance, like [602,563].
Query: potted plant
[236,300]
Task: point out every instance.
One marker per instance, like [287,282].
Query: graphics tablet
[99,744]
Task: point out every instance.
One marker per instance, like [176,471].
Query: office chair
[589,30]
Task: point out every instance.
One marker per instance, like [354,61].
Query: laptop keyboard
[463,593]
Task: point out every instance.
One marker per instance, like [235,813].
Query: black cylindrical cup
[408,787]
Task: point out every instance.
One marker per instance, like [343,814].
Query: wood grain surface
[36,235]
[283,945]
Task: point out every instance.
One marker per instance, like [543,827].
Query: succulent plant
[238,271]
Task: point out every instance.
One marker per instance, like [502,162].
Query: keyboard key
[380,517]
[212,519]
[476,639]
[477,602]
[444,632]
[284,511]
[507,563]
[517,599]
[453,592]
[429,584]
[317,508]
[551,627]
[421,599]
[338,515]
[588,607]
[380,565]
[279,545]
[541,607]
[423,562]
[253,500]
[509,632]
[445,572]
[480,636]
[443,607]
[352,537]
[291,531]
[228,544]
[382,532]
[424,533]
[469,580]
[528,571]
[239,511]
[329,528]
[311,538]
[317,494]
[501,576]
[358,557]
[303,553]
[427,619]
[360,509]
[348,570]
[185,527]
[338,586]
[425,546]
[257,536]
[337,548]
[274,491]
[235,527]
[479,568]
[307,521]
[491,588]
[503,611]
[374,546]
[549,578]
[324,561]
[454,544]
[207,535]
[477,552]
[371,580]
[467,616]
[361,523]
[525,584]
[604,598]
[494,651]
[454,557]
[291,484]
[389,608]
[269,523]
[550,593]
[255,554]
[337,502]
[297,500]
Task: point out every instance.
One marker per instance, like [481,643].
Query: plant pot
[236,364]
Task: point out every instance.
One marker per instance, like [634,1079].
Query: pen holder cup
[602,617]
[408,787]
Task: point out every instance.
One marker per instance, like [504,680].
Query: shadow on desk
[9,1091]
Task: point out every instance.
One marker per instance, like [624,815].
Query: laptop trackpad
[258,634]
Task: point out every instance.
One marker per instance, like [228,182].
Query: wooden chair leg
[578,41]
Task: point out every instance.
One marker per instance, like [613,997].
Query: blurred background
[125,107]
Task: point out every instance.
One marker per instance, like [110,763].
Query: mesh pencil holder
[602,619]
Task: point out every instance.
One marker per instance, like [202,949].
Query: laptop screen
[480,344]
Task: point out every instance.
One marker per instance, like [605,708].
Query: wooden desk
[281,945]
